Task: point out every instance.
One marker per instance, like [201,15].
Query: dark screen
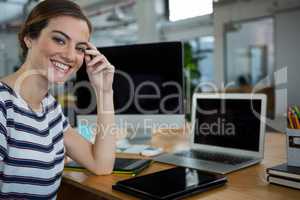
[233,123]
[171,182]
[151,71]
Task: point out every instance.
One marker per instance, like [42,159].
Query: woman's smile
[61,67]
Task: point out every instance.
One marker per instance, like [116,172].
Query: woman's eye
[59,40]
[81,49]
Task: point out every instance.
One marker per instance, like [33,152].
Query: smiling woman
[65,47]
[34,133]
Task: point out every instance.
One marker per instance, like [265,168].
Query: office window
[249,52]
[199,53]
[203,52]
[179,9]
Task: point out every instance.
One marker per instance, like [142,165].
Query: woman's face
[59,50]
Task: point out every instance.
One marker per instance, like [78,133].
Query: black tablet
[172,183]
[122,166]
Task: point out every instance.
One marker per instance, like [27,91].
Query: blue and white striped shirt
[31,147]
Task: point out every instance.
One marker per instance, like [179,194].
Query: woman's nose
[69,55]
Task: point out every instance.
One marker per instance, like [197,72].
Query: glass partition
[249,52]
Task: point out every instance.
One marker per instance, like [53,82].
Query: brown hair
[39,18]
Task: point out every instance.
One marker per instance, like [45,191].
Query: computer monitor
[148,87]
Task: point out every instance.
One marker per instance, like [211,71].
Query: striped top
[31,147]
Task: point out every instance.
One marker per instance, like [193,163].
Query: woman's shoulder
[6,93]
[51,103]
[49,99]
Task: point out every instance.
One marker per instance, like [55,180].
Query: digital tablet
[122,166]
[172,183]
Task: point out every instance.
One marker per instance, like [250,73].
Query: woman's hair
[39,18]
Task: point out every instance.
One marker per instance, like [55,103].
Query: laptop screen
[233,123]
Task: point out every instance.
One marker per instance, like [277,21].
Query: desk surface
[246,184]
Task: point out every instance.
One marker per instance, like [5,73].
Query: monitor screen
[148,79]
[232,123]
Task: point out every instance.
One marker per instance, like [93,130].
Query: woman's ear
[27,41]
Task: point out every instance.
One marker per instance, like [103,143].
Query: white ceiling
[13,10]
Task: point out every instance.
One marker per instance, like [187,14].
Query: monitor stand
[139,135]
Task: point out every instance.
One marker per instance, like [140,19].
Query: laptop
[228,133]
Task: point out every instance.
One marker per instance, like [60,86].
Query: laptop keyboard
[209,156]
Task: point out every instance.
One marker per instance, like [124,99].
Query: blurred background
[237,45]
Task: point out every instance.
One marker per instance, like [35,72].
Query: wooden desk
[246,184]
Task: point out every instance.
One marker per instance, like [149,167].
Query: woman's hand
[99,70]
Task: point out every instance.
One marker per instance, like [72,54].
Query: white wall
[147,21]
[287,39]
[246,10]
